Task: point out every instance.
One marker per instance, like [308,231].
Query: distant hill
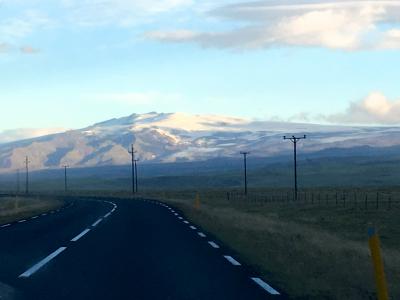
[178,137]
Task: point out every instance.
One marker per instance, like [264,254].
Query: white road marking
[80,235]
[180,218]
[5,225]
[21,221]
[97,222]
[107,215]
[232,260]
[44,214]
[192,227]
[186,222]
[40,264]
[35,217]
[175,214]
[201,234]
[214,245]
[265,286]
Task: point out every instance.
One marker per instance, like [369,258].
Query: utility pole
[27,175]
[245,170]
[18,188]
[65,178]
[136,175]
[132,152]
[294,140]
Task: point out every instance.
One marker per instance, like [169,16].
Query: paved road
[121,250]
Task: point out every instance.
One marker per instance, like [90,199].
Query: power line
[294,140]
[132,152]
[245,170]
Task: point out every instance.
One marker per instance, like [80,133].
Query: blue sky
[72,63]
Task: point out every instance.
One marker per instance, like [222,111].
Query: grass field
[16,208]
[310,251]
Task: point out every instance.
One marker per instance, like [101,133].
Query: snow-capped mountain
[169,137]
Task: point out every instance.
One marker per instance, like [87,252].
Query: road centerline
[41,263]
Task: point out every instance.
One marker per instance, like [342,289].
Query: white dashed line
[44,214]
[214,245]
[80,235]
[21,221]
[265,286]
[192,227]
[40,264]
[201,234]
[97,222]
[5,225]
[186,222]
[232,260]
[35,217]
[180,218]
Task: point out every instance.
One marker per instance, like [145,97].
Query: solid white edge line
[41,263]
[265,286]
[80,235]
[232,260]
[214,245]
[107,215]
[201,234]
[97,222]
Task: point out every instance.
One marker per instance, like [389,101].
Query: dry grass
[16,208]
[308,251]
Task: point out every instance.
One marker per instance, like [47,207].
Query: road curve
[121,249]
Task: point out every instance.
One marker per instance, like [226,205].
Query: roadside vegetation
[313,250]
[17,208]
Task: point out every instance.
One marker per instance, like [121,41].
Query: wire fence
[363,200]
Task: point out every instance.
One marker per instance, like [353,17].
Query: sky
[72,63]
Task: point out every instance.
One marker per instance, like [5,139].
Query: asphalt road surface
[126,249]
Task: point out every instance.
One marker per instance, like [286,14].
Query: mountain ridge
[169,137]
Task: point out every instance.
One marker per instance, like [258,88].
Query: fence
[359,199]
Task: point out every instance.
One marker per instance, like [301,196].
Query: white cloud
[346,25]
[120,12]
[376,108]
[23,25]
[26,133]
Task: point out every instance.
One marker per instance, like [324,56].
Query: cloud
[345,25]
[376,108]
[119,12]
[12,135]
[29,50]
[19,27]
[5,48]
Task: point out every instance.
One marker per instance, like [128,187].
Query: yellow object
[378,265]
[197,202]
